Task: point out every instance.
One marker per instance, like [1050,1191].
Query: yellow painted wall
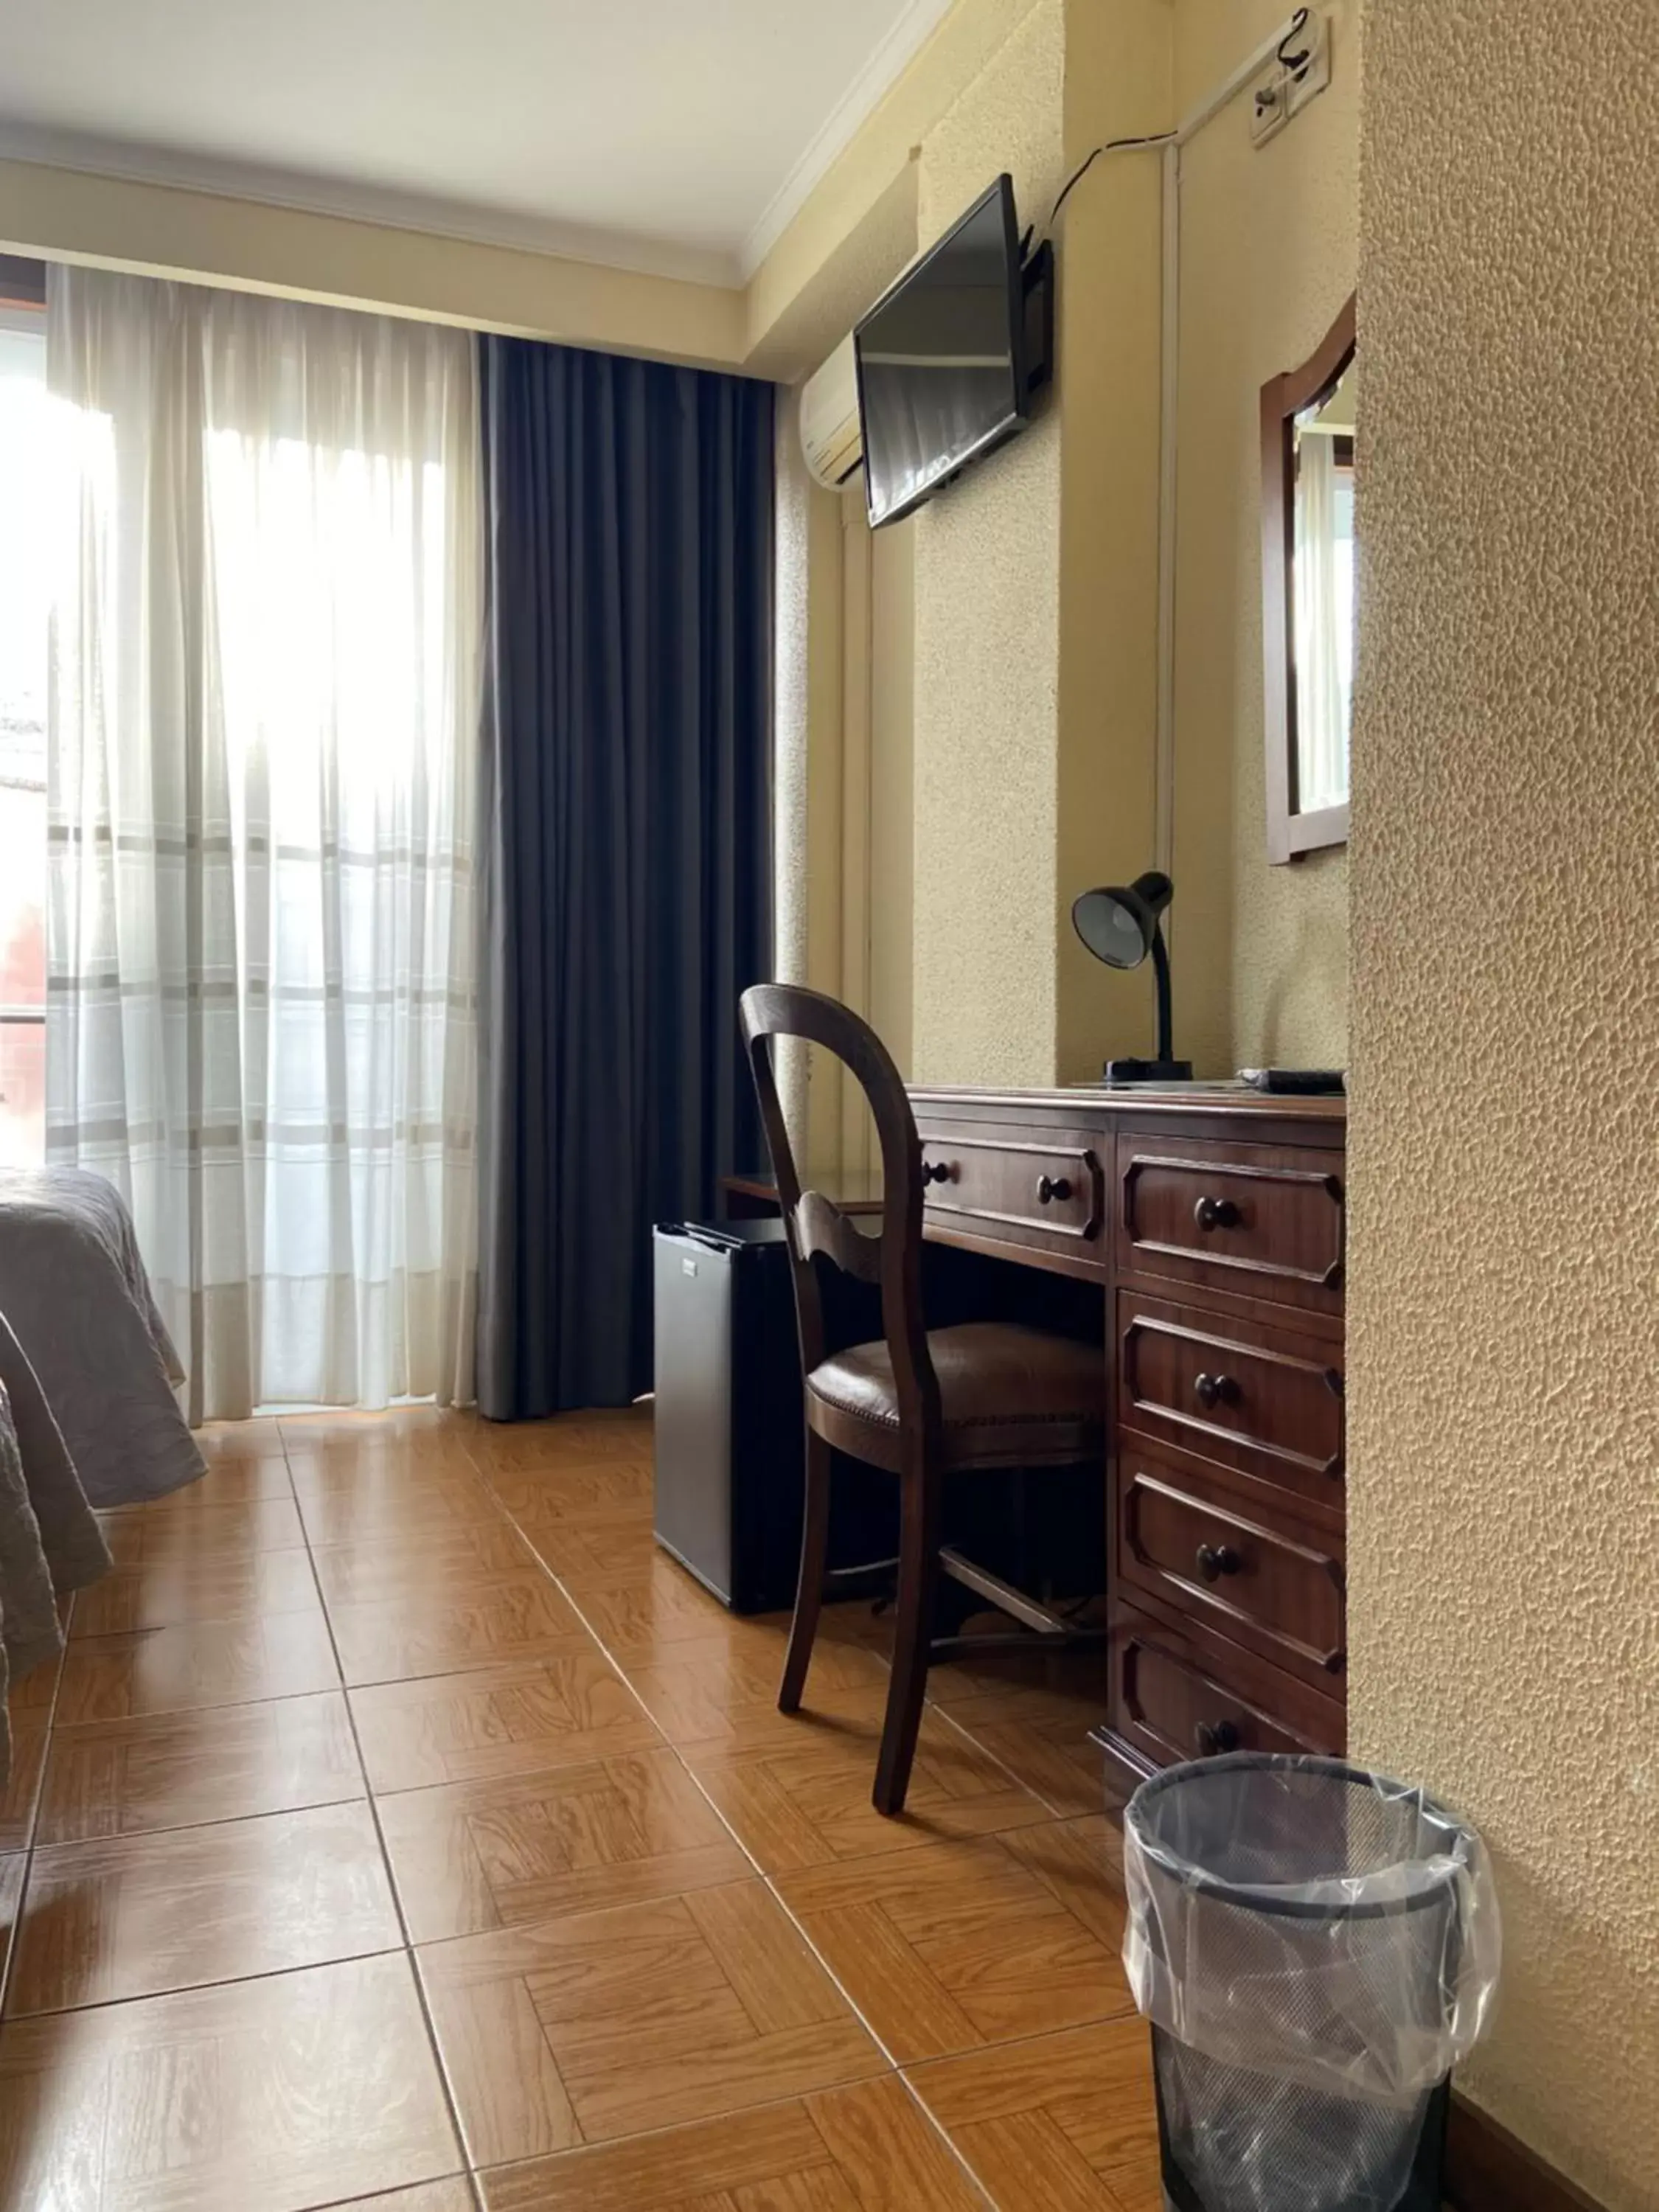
[1504,1599]
[987,644]
[1269,252]
[1118,85]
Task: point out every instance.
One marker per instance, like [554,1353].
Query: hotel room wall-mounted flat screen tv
[941,366]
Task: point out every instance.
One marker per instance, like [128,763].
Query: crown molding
[349,201]
[920,19]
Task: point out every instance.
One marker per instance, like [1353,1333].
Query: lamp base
[1148,1071]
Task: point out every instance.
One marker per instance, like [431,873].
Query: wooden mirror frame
[1291,834]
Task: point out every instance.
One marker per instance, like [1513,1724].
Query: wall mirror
[1308,592]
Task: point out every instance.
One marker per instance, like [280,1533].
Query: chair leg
[917,1582]
[814,1565]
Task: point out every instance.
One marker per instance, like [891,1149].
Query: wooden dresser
[1212,1219]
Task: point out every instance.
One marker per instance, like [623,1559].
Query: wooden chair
[924,1406]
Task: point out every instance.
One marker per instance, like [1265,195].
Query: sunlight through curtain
[261,811]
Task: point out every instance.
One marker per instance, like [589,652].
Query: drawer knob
[1215,1738]
[1049,1188]
[1212,1390]
[1212,1213]
[935,1171]
[1215,1560]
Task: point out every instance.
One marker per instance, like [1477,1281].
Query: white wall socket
[1280,92]
[1314,77]
[1270,107]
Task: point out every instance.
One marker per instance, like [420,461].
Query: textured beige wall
[987,646]
[1504,1299]
[1118,85]
[1269,251]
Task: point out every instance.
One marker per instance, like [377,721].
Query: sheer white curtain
[1324,625]
[262,772]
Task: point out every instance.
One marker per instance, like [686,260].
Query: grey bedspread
[50,1543]
[73,1286]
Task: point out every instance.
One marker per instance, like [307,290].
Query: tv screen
[941,364]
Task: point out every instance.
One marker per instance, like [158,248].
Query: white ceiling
[677,136]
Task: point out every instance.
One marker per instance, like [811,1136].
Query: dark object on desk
[921,1404]
[1295,1082]
[1121,924]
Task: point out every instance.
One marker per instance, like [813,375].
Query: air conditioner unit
[831,437]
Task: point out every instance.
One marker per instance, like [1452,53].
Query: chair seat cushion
[1009,1396]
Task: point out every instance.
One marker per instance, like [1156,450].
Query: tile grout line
[408,1945]
[894,2068]
[497,1513]
[15,1939]
[1057,1814]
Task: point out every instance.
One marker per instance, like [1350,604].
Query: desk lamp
[1120,926]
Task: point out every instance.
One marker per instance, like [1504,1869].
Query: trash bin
[1315,1947]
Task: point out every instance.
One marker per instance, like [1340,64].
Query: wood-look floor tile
[1043,1735]
[960,1944]
[864,2148]
[222,1442]
[227,1662]
[590,1549]
[22,1792]
[567,1440]
[34,1693]
[371,1571]
[611,1490]
[276,2095]
[422,1503]
[182,1770]
[640,1615]
[499,1721]
[229,1480]
[11,1892]
[138,1915]
[144,1535]
[385,1477]
[799,1796]
[454,2195]
[417,1587]
[1067,2120]
[479,1855]
[335,1458]
[605,2023]
[725,1685]
[224,1586]
[481,1623]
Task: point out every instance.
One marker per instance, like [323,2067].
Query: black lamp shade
[1119,923]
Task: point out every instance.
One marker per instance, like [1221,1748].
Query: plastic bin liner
[1316,1948]
[1310,1921]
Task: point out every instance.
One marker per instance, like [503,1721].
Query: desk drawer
[1264,1220]
[1004,1180]
[1260,1400]
[1275,1583]
[1178,1694]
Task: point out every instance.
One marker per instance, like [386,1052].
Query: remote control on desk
[1295,1082]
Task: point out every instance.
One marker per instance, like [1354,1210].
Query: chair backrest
[814,1223]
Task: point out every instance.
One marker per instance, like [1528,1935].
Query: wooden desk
[1212,1218]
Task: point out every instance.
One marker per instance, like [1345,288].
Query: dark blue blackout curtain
[626,844]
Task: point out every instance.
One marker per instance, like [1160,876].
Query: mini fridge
[728,1411]
[730,1443]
